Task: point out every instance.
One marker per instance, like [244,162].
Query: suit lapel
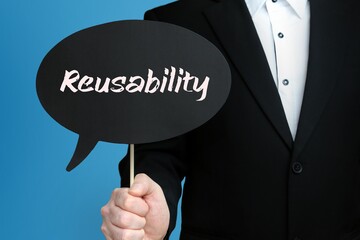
[325,57]
[233,26]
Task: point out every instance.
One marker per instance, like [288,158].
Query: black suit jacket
[245,176]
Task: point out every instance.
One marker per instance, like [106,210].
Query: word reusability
[173,80]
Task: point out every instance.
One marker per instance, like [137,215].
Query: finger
[105,213]
[127,202]
[105,231]
[125,234]
[143,185]
[126,220]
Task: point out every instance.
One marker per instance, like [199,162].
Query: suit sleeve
[151,15]
[164,162]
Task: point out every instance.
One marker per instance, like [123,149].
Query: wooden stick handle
[132,164]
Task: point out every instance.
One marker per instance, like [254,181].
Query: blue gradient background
[39,199]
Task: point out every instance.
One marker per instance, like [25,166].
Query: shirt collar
[299,6]
[254,6]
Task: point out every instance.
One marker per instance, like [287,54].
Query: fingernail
[136,188]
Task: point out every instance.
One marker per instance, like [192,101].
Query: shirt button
[280,35]
[285,82]
[297,167]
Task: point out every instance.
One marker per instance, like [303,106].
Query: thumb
[143,185]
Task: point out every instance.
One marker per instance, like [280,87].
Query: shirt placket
[280,17]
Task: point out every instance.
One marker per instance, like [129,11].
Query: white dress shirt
[283,27]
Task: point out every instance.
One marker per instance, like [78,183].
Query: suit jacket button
[297,167]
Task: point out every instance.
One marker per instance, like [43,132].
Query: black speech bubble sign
[132,82]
